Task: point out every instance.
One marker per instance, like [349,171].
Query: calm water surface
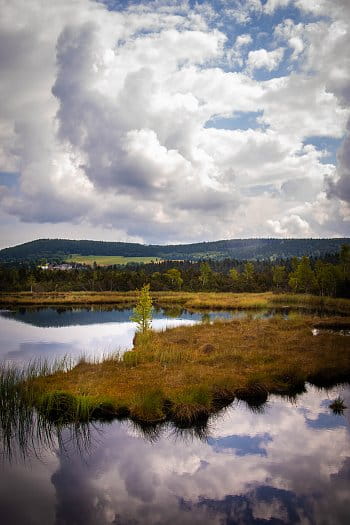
[288,464]
[27,333]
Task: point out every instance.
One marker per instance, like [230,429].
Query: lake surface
[289,464]
[27,333]
[286,464]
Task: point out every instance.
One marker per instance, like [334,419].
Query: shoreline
[186,374]
[188,300]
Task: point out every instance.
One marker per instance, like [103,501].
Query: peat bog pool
[50,332]
[286,463]
[29,333]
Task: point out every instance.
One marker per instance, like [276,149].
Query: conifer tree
[142,313]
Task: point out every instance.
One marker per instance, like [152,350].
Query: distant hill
[60,249]
[53,249]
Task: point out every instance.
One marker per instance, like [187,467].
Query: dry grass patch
[174,378]
[189,300]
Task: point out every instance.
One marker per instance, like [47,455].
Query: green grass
[20,423]
[108,260]
[29,417]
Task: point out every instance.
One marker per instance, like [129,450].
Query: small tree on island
[142,313]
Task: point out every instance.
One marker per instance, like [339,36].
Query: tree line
[328,275]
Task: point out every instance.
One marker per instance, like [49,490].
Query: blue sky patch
[242,445]
[9,179]
[329,144]
[240,120]
[326,421]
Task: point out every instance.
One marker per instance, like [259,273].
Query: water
[287,464]
[27,333]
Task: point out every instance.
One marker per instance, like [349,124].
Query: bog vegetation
[187,373]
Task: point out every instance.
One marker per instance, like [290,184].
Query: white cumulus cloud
[106,120]
[263,59]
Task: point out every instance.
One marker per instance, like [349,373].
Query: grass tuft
[58,407]
[148,405]
[338,406]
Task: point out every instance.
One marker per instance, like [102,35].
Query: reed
[23,428]
[338,406]
[184,374]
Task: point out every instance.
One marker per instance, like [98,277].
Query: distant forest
[57,250]
[327,275]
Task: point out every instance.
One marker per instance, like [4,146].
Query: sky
[174,121]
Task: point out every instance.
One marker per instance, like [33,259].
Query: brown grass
[173,377]
[190,300]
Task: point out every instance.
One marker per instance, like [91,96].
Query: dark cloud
[341,187]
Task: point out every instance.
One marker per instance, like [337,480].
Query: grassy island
[185,374]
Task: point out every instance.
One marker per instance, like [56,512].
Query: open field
[108,260]
[186,373]
[189,300]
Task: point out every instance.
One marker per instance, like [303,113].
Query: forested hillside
[252,249]
[247,249]
[323,276]
[59,249]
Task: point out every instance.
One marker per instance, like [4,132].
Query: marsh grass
[148,405]
[321,303]
[172,378]
[63,407]
[338,406]
[25,430]
[172,374]
[189,300]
